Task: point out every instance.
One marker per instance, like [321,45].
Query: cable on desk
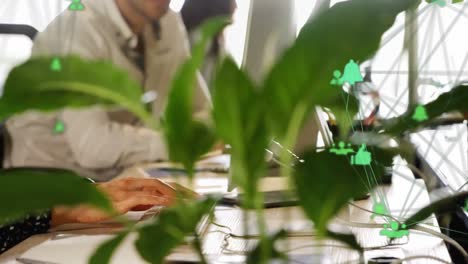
[370,211]
[370,225]
[461,187]
[221,226]
[448,229]
[444,237]
[420,257]
[337,246]
[361,225]
[316,245]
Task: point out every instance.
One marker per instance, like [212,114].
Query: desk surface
[222,248]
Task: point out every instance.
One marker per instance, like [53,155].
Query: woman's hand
[125,194]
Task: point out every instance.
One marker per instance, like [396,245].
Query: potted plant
[246,116]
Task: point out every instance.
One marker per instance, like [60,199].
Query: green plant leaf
[104,253]
[170,228]
[348,239]
[266,250]
[25,191]
[80,83]
[454,100]
[344,108]
[187,139]
[444,205]
[325,44]
[325,182]
[238,114]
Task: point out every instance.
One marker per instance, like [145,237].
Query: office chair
[13,29]
[18,29]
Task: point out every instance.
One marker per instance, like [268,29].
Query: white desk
[222,249]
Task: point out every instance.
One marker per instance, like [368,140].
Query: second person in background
[194,13]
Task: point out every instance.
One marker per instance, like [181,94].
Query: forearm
[60,216]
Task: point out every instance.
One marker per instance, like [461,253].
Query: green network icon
[59,127]
[420,114]
[379,210]
[336,78]
[394,230]
[440,3]
[342,150]
[443,3]
[352,74]
[76,5]
[56,65]
[362,157]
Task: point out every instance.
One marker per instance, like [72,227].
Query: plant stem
[198,246]
[197,241]
[290,138]
[264,254]
[288,144]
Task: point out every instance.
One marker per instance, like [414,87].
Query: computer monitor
[271,29]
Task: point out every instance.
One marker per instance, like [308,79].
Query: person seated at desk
[144,38]
[125,195]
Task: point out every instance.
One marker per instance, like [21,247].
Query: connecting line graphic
[420,113]
[444,47]
[370,176]
[407,199]
[398,58]
[401,28]
[441,29]
[441,43]
[443,38]
[382,197]
[443,156]
[428,38]
[405,43]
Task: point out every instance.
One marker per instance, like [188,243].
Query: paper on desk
[78,250]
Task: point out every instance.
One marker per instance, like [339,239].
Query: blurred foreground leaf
[238,113]
[325,182]
[104,253]
[266,249]
[170,229]
[25,191]
[186,138]
[348,239]
[325,44]
[452,101]
[80,83]
[444,205]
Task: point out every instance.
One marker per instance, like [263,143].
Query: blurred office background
[262,28]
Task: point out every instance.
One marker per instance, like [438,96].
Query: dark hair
[195,12]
